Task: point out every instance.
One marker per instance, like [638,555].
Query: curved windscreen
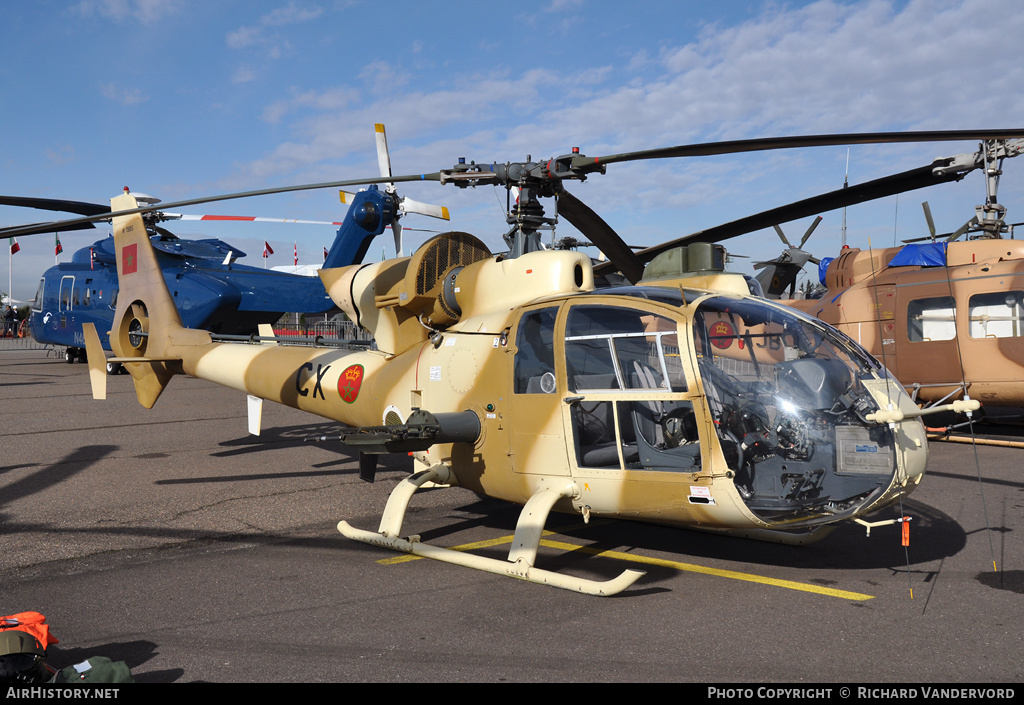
[786,397]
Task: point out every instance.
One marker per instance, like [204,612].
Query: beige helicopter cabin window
[931,319]
[996,314]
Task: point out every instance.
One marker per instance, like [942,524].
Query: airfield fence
[304,332]
[21,344]
[328,330]
[21,341]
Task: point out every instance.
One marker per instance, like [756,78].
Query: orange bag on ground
[32,623]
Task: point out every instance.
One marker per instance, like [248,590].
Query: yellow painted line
[691,568]
[675,565]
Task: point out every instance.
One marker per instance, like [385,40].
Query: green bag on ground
[95,669]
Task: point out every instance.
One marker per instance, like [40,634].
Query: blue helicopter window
[535,352]
[67,284]
[37,303]
[611,348]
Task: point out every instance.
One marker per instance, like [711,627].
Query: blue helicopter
[211,290]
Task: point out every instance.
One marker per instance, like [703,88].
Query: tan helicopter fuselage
[447,322]
[522,447]
[935,327]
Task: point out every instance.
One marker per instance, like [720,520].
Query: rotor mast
[531,181]
[991,223]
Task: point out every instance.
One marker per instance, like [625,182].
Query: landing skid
[521,557]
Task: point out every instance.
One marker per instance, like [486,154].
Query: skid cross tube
[525,543]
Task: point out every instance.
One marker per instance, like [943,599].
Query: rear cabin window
[931,319]
[996,314]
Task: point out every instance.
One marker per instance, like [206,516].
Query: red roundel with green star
[722,335]
[349,382]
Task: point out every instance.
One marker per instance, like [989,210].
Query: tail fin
[146,322]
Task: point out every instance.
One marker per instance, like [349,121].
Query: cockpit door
[625,380]
[536,441]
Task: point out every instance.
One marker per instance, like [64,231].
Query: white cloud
[124,96]
[62,155]
[291,13]
[144,11]
[271,42]
[243,74]
[244,37]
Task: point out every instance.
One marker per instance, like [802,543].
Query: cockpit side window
[37,303]
[535,352]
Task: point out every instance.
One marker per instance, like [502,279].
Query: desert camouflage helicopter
[679,399]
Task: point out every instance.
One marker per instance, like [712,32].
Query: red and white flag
[296,254]
[267,249]
[325,254]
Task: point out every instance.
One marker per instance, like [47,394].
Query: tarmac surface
[174,541]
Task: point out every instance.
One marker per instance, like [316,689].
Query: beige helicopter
[680,400]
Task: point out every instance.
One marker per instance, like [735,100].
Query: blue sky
[185,98]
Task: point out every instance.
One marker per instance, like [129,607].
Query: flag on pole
[14,245]
[57,249]
[267,249]
[296,254]
[325,254]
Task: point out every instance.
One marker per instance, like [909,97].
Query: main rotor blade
[18,231]
[768,143]
[595,229]
[54,204]
[56,226]
[920,177]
